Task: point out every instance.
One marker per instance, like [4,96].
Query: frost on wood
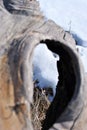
[22,27]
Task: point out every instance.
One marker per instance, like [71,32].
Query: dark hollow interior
[66,85]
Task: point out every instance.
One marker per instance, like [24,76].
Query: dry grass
[39,108]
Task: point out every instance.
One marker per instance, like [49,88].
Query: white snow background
[72,16]
[45,67]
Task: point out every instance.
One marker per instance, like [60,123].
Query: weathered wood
[22,27]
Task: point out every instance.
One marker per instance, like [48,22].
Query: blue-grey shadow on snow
[79,41]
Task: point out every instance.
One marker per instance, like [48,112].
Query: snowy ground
[83,55]
[45,68]
[71,15]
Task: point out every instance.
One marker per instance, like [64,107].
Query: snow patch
[69,14]
[83,54]
[45,67]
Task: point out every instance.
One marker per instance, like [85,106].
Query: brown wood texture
[22,27]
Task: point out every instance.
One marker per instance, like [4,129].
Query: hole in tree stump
[45,78]
[64,89]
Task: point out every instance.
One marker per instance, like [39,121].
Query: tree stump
[22,27]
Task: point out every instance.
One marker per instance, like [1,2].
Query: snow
[68,14]
[83,55]
[79,41]
[45,67]
[71,15]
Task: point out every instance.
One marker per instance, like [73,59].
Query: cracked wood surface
[21,29]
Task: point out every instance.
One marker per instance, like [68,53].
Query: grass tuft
[39,108]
